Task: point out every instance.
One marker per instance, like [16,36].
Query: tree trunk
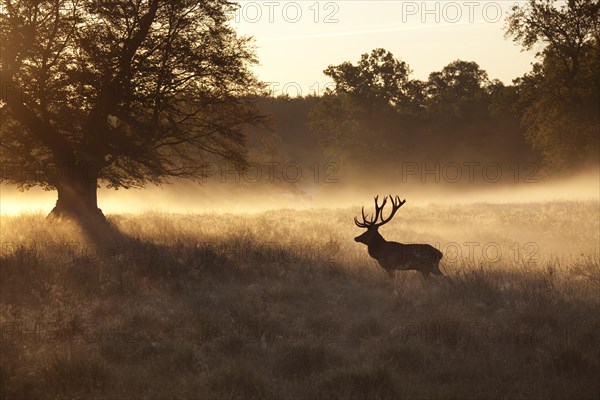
[77,196]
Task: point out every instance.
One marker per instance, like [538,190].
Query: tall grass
[284,304]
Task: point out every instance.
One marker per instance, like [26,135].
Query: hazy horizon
[250,197]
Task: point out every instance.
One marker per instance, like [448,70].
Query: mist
[238,196]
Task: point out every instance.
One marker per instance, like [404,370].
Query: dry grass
[285,304]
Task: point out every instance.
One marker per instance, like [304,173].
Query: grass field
[285,304]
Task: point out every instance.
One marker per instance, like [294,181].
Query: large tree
[559,98]
[119,92]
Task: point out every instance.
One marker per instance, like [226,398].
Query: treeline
[378,117]
[459,123]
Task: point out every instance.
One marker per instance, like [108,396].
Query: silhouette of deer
[393,256]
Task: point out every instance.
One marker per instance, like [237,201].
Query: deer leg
[436,271]
[391,273]
[426,278]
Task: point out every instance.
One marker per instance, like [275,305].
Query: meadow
[285,305]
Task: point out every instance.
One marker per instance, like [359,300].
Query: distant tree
[458,83]
[360,116]
[470,117]
[123,93]
[377,78]
[416,96]
[559,98]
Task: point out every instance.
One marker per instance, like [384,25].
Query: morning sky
[296,40]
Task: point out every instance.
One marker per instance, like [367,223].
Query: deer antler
[372,222]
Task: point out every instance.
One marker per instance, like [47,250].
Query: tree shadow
[101,259]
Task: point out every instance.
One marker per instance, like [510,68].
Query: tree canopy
[137,91]
[559,98]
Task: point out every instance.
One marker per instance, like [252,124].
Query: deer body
[393,256]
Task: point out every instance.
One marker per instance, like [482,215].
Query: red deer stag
[393,256]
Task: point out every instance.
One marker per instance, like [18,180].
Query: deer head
[372,224]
